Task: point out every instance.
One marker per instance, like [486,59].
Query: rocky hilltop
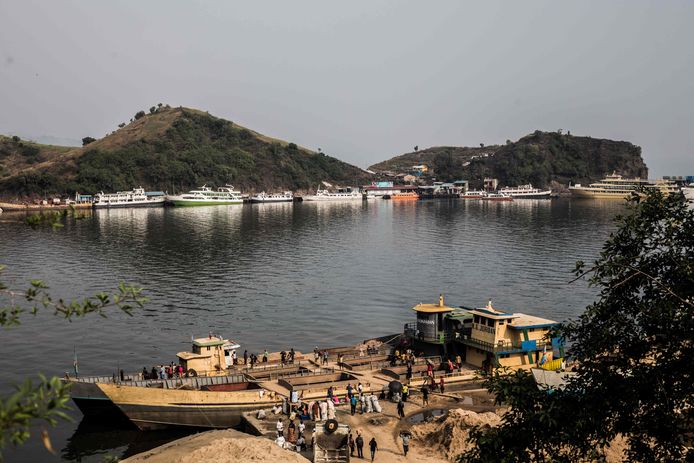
[541,158]
[169,149]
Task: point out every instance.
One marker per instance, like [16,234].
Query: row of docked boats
[206,196]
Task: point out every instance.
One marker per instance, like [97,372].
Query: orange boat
[408,195]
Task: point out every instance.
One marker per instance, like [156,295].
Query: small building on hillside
[491,184]
[507,339]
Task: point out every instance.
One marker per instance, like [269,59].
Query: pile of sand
[227,446]
[448,434]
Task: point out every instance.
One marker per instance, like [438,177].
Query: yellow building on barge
[485,337]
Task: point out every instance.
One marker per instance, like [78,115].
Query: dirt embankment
[227,446]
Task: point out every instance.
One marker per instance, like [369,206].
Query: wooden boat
[154,408]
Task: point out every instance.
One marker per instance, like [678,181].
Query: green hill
[541,158]
[169,149]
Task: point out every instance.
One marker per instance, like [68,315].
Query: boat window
[501,322]
[208,348]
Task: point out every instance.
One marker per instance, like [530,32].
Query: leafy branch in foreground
[48,400]
[36,297]
[634,349]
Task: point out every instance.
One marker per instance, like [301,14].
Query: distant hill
[541,158]
[169,149]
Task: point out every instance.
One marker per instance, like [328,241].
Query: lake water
[277,276]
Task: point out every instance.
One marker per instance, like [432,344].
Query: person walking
[405,442]
[425,394]
[441,385]
[405,392]
[353,404]
[373,446]
[351,444]
[401,409]
[360,446]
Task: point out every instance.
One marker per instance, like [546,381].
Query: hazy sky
[363,80]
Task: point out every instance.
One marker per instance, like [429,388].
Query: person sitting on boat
[153,374]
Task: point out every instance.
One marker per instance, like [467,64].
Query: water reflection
[288,275]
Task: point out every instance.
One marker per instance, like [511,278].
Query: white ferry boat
[135,198]
[616,186]
[526,192]
[340,194]
[497,197]
[688,192]
[285,197]
[474,194]
[205,196]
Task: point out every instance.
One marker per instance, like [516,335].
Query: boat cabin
[507,339]
[210,356]
[431,325]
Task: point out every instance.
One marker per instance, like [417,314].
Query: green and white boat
[205,196]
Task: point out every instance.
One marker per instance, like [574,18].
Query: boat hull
[259,201]
[543,195]
[191,203]
[129,205]
[92,402]
[154,408]
[585,193]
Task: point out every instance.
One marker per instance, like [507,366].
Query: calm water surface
[277,276]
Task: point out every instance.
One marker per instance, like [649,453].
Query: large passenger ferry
[616,186]
[135,198]
[526,192]
[205,196]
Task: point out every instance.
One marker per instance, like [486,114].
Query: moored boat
[617,187]
[473,194]
[217,405]
[688,192]
[340,194]
[497,197]
[205,196]
[405,196]
[526,192]
[138,197]
[263,197]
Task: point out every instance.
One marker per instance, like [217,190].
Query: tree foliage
[88,140]
[634,349]
[48,400]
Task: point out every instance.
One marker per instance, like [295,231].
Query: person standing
[351,445]
[245,357]
[349,391]
[360,389]
[441,385]
[401,409]
[360,445]
[373,446]
[353,404]
[405,392]
[265,356]
[325,357]
[301,427]
[280,428]
[405,442]
[425,394]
